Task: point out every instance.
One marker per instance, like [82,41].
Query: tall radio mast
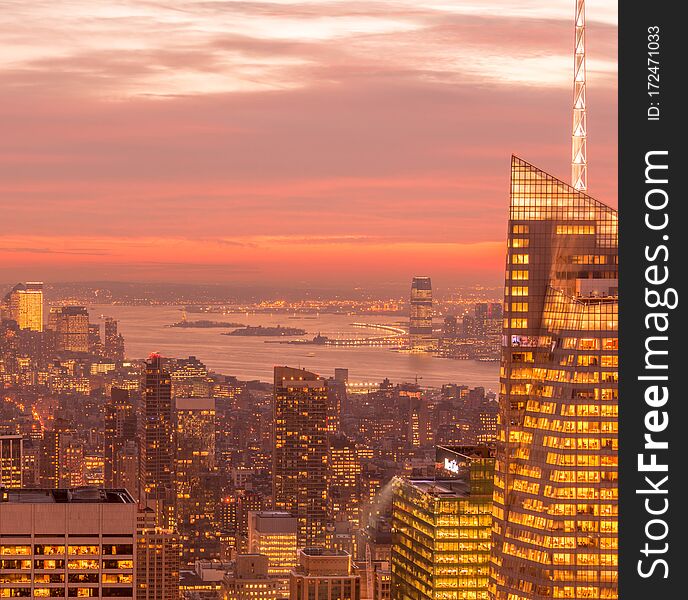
[579,159]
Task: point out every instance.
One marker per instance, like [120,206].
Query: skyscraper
[555,501]
[195,458]
[11,458]
[119,439]
[113,342]
[24,304]
[157,564]
[420,321]
[158,446]
[70,326]
[441,528]
[300,450]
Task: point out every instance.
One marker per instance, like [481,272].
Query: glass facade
[555,496]
[441,536]
[420,322]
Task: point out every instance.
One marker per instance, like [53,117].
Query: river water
[248,358]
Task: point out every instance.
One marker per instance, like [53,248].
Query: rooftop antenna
[579,158]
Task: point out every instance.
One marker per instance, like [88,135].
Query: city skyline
[400,164]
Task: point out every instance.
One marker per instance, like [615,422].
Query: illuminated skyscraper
[158,447]
[555,500]
[441,529]
[157,564]
[24,304]
[300,450]
[420,322]
[119,437]
[195,458]
[70,326]
[113,342]
[11,461]
[344,477]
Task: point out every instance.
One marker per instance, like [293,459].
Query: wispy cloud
[328,126]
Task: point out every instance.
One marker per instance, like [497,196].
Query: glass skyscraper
[555,499]
[420,320]
[158,442]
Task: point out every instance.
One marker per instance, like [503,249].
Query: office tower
[488,318]
[67,543]
[158,443]
[555,501]
[336,401]
[24,305]
[300,450]
[249,580]
[72,464]
[69,325]
[119,438]
[157,564]
[52,465]
[195,458]
[113,342]
[95,342]
[11,461]
[273,534]
[234,514]
[343,479]
[441,528]
[324,574]
[420,321]
[189,378]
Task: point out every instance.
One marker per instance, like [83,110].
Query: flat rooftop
[82,495]
[450,488]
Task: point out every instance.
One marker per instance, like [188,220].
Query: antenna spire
[579,158]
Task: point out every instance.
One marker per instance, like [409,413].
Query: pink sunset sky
[331,141]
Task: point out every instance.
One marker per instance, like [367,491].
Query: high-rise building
[11,461]
[420,321]
[273,534]
[555,500]
[67,543]
[343,478]
[235,509]
[158,444]
[59,458]
[324,574]
[300,450]
[442,527]
[157,564]
[24,305]
[113,342]
[70,327]
[195,458]
[119,437]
